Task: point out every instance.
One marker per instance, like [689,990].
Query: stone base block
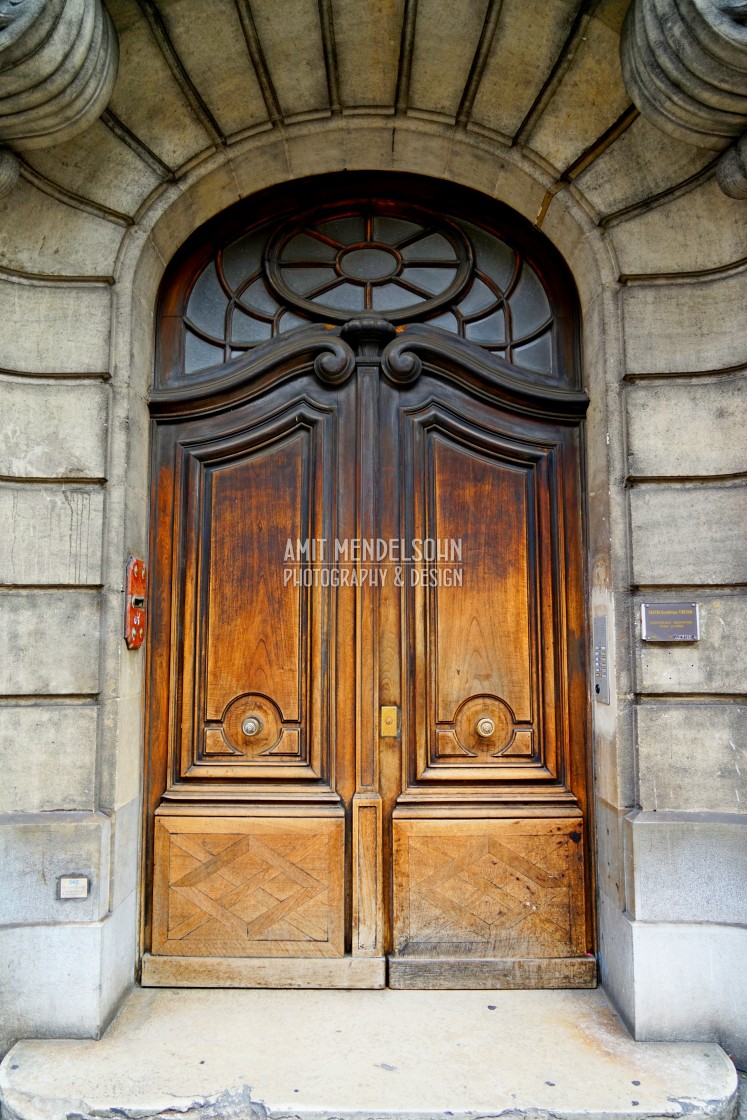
[676,980]
[691,983]
[65,980]
[36,850]
[687,867]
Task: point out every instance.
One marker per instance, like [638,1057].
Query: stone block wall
[658,254]
[64,963]
[672,896]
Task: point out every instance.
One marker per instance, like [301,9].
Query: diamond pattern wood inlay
[249,887]
[489,888]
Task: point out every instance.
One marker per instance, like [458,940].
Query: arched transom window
[328,259]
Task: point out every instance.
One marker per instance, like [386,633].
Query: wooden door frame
[172,391]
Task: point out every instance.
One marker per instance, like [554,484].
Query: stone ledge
[355,1055]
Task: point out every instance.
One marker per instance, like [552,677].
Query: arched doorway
[367,705]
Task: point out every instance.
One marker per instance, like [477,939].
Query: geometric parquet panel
[489,888]
[251,887]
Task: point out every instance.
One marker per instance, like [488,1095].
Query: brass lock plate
[389,724]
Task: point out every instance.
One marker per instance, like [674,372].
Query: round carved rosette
[252,724]
[484,725]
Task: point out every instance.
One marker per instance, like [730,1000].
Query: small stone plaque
[73,886]
[670,622]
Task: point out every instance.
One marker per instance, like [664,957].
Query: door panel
[488,839]
[500,642]
[476,625]
[255,631]
[260,643]
[500,889]
[246,887]
[250,678]
[482,504]
[285,820]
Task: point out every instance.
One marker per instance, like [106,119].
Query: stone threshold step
[182,1054]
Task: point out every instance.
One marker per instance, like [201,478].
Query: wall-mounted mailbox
[136,589]
[670,622]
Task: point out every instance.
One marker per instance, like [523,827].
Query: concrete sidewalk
[318,1055]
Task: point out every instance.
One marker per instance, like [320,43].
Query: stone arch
[178,210]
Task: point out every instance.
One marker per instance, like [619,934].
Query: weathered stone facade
[212,103]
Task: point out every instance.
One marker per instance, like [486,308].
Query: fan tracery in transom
[399,260]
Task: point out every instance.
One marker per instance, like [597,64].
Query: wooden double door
[367,693]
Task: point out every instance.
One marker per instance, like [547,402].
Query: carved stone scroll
[685,66]
[58,65]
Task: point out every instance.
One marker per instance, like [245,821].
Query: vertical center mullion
[368,880]
[366,592]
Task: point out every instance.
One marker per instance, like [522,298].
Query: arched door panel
[245,498]
[488,846]
[248,830]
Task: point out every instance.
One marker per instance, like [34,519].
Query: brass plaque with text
[670,622]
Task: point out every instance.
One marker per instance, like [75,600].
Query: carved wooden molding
[420,346]
[58,65]
[325,352]
[251,887]
[685,66]
[333,361]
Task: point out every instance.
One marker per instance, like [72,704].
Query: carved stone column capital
[58,65]
[685,66]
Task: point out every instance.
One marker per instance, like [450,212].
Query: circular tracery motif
[370,263]
[400,261]
[368,260]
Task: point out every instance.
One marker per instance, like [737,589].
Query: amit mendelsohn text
[378,550]
[321,562]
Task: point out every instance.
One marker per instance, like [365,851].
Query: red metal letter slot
[136,588]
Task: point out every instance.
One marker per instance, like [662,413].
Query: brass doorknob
[485,727]
[252,725]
